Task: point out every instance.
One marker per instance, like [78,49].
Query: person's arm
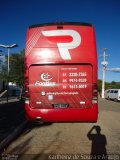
[89,135]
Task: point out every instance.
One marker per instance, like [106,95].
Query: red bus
[61,73]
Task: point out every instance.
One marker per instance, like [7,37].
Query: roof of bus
[61,23]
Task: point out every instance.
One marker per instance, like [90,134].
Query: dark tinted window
[116,91]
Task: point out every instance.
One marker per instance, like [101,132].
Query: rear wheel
[108,98]
[115,100]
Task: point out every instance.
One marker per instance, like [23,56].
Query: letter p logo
[64,47]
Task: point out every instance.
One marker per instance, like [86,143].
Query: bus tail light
[95,94]
[27,94]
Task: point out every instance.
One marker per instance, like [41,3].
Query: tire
[108,98]
[115,100]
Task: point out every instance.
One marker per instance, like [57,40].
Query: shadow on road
[20,149]
[11,116]
[33,124]
[99,142]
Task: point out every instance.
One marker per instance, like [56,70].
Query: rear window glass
[116,91]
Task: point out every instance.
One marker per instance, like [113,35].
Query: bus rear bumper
[63,115]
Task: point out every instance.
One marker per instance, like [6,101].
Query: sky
[17,15]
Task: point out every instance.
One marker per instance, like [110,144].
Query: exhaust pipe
[39,120]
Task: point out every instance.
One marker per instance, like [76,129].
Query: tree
[108,85]
[113,83]
[3,72]
[99,85]
[16,72]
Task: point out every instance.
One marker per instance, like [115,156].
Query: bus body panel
[61,73]
[63,115]
[43,48]
[55,85]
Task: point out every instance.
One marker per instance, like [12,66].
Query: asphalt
[12,120]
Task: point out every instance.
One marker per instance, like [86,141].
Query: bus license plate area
[60,105]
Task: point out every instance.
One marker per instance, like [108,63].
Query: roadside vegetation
[108,85]
[16,72]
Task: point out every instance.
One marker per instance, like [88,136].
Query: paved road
[55,140]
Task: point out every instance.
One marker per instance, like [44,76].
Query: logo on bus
[65,47]
[46,80]
[46,76]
